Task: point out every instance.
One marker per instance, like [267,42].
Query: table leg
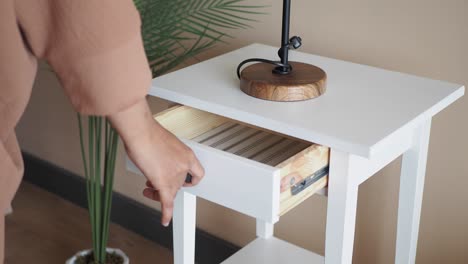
[341,212]
[264,229]
[184,228]
[413,170]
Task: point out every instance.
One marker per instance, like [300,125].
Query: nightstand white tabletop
[362,107]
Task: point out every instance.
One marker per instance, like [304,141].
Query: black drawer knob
[188,179]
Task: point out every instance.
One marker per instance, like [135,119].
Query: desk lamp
[282,80]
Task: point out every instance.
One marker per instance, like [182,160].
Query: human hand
[161,157]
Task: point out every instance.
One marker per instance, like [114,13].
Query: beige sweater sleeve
[95,47]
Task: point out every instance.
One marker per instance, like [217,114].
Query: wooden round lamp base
[304,82]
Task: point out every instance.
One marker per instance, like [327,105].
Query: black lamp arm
[284,50]
[286,43]
[282,66]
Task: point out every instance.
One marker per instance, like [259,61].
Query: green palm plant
[173,31]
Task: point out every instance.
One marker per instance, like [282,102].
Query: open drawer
[248,169]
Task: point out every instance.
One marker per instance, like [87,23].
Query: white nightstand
[368,117]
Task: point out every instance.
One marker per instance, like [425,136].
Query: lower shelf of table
[273,251]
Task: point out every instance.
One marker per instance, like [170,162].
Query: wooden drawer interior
[303,165]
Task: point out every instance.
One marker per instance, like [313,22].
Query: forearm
[160,156]
[135,124]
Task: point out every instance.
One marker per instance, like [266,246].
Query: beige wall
[423,37]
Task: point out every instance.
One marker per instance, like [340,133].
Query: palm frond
[176,30]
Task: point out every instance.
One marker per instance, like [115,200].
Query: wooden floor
[45,229]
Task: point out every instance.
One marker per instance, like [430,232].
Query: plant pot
[108,250]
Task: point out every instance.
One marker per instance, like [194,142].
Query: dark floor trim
[126,212]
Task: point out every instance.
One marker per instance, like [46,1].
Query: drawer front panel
[243,185]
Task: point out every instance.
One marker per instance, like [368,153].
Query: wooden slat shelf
[251,143]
